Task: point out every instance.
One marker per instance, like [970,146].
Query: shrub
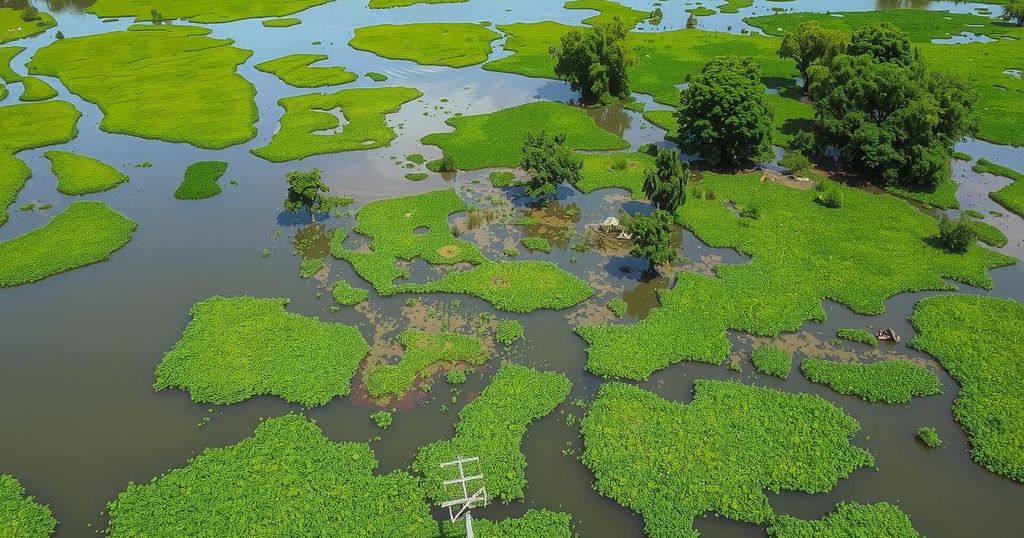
[956,235]
[795,161]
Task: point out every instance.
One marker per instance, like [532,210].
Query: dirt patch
[449,251]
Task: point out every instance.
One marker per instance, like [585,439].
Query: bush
[829,194]
[795,161]
[956,235]
[929,436]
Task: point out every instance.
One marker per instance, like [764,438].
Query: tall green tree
[724,112]
[652,238]
[665,184]
[594,61]
[549,162]
[1014,11]
[810,44]
[305,191]
[885,42]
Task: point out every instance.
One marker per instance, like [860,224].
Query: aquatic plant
[533,524]
[988,234]
[81,174]
[609,11]
[492,427]
[741,441]
[890,381]
[285,480]
[20,515]
[201,180]
[453,44]
[202,11]
[618,170]
[297,70]
[771,360]
[376,77]
[922,26]
[977,340]
[929,436]
[502,178]
[84,233]
[13,26]
[347,294]
[536,243]
[509,330]
[34,89]
[310,266]
[7,54]
[847,520]
[382,419]
[857,335]
[238,347]
[422,350]
[1011,196]
[282,23]
[456,377]
[618,306]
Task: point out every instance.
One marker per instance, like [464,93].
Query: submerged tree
[305,191]
[652,238]
[665,185]
[1014,10]
[594,61]
[724,112]
[812,44]
[549,162]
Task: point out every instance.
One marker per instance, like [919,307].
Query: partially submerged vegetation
[297,70]
[289,480]
[422,351]
[201,180]
[20,515]
[347,294]
[929,436]
[1011,196]
[21,23]
[743,440]
[891,381]
[452,44]
[860,336]
[238,347]
[492,427]
[771,360]
[203,11]
[81,174]
[84,233]
[977,339]
[533,524]
[847,520]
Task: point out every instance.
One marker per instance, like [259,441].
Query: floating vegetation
[289,480]
[307,116]
[416,176]
[80,174]
[7,54]
[786,280]
[383,4]
[154,71]
[376,77]
[922,26]
[509,330]
[20,515]
[533,524]
[1011,196]
[422,350]
[977,339]
[297,70]
[35,89]
[848,520]
[282,23]
[770,360]
[310,266]
[347,294]
[452,44]
[492,427]
[456,377]
[618,307]
[84,233]
[929,436]
[988,234]
[203,11]
[741,440]
[382,419]
[201,180]
[890,381]
[238,347]
[502,178]
[536,243]
[860,336]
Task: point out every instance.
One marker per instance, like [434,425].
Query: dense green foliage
[548,162]
[857,335]
[282,23]
[238,347]
[310,266]
[382,419]
[890,381]
[347,294]
[202,11]
[533,524]
[454,44]
[422,351]
[739,441]
[306,116]
[497,138]
[80,174]
[618,306]
[28,126]
[622,170]
[536,243]
[849,520]
[416,226]
[929,436]
[384,4]
[771,360]
[152,71]
[201,180]
[595,61]
[724,113]
[977,339]
[652,238]
[956,235]
[376,77]
[921,25]
[492,427]
[509,330]
[1014,11]
[34,89]
[298,70]
[812,44]
[502,178]
[305,192]
[285,480]
[885,244]
[13,26]
[20,515]
[84,233]
[665,184]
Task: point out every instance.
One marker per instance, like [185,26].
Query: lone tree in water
[549,162]
[1014,9]
[665,185]
[652,238]
[305,191]
[812,44]
[724,113]
[594,61]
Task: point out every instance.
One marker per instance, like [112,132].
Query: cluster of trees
[307,191]
[549,163]
[594,61]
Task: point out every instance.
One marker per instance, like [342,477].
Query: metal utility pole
[465,501]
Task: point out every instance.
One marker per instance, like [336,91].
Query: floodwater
[79,416]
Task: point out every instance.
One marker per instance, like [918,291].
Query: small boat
[887,335]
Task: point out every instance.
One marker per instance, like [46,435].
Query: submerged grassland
[84,233]
[81,174]
[239,347]
[422,350]
[977,339]
[1011,196]
[452,44]
[740,441]
[860,254]
[298,70]
[492,427]
[309,128]
[20,515]
[288,479]
[183,82]
[202,11]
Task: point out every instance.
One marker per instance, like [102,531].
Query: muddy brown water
[79,418]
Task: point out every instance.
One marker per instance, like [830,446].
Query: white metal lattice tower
[466,500]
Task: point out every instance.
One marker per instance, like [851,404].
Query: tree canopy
[549,162]
[810,44]
[305,191]
[652,238]
[885,42]
[665,184]
[1014,11]
[724,112]
[594,61]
